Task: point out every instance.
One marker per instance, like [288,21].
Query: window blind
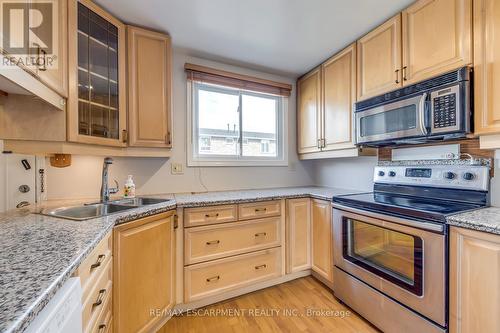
[204,74]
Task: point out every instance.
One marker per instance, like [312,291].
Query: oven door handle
[423,114]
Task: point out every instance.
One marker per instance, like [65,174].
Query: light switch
[177,169]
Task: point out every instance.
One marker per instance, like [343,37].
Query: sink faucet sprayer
[105,189]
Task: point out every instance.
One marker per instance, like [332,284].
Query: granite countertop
[39,253]
[484,219]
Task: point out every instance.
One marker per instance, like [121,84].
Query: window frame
[196,159]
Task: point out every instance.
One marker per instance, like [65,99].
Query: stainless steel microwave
[433,110]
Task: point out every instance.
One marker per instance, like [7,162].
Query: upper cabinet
[326,97]
[149,88]
[308,112]
[339,95]
[429,38]
[487,69]
[54,72]
[379,59]
[97,110]
[437,37]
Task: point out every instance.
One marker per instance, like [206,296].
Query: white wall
[350,173]
[153,176]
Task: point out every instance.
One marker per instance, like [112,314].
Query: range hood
[15,80]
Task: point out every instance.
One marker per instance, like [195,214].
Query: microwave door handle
[423,114]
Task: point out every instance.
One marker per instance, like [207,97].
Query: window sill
[240,163]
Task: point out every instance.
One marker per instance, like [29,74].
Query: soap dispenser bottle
[129,188]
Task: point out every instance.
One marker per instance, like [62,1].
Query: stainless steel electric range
[391,245]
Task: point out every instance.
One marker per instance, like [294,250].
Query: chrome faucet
[105,189]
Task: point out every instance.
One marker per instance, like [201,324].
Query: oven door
[397,120]
[404,262]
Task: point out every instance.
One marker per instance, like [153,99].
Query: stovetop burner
[429,193]
[409,206]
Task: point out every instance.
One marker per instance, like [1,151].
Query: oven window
[395,256]
[402,119]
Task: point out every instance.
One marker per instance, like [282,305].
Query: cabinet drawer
[98,297]
[218,276]
[259,209]
[210,215]
[93,265]
[213,242]
[103,322]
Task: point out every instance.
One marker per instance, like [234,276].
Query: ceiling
[286,37]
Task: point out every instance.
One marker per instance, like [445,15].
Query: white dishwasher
[63,314]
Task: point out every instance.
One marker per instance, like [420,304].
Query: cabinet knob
[213,278]
[100,297]
[99,261]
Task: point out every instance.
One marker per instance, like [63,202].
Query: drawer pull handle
[260,267]
[99,261]
[214,242]
[211,215]
[213,278]
[261,234]
[100,297]
[260,209]
[101,328]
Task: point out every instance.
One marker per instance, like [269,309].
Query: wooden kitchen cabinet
[379,60]
[149,88]
[97,105]
[339,95]
[474,281]
[144,261]
[326,98]
[54,73]
[487,68]
[309,112]
[298,235]
[322,240]
[437,38]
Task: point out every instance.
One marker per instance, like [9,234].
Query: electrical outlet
[177,169]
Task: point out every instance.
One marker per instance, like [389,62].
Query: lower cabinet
[230,247]
[322,240]
[474,281]
[144,262]
[96,278]
[298,235]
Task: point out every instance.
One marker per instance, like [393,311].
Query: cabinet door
[379,59]
[339,95]
[474,281]
[308,112]
[486,66]
[97,107]
[322,239]
[437,37]
[298,226]
[53,67]
[149,88]
[144,261]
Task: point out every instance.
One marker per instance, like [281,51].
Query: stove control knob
[392,174]
[449,175]
[381,173]
[468,176]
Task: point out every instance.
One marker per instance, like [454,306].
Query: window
[231,126]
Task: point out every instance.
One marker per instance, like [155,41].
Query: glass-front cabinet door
[97,106]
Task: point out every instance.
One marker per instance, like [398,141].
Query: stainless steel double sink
[90,211]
